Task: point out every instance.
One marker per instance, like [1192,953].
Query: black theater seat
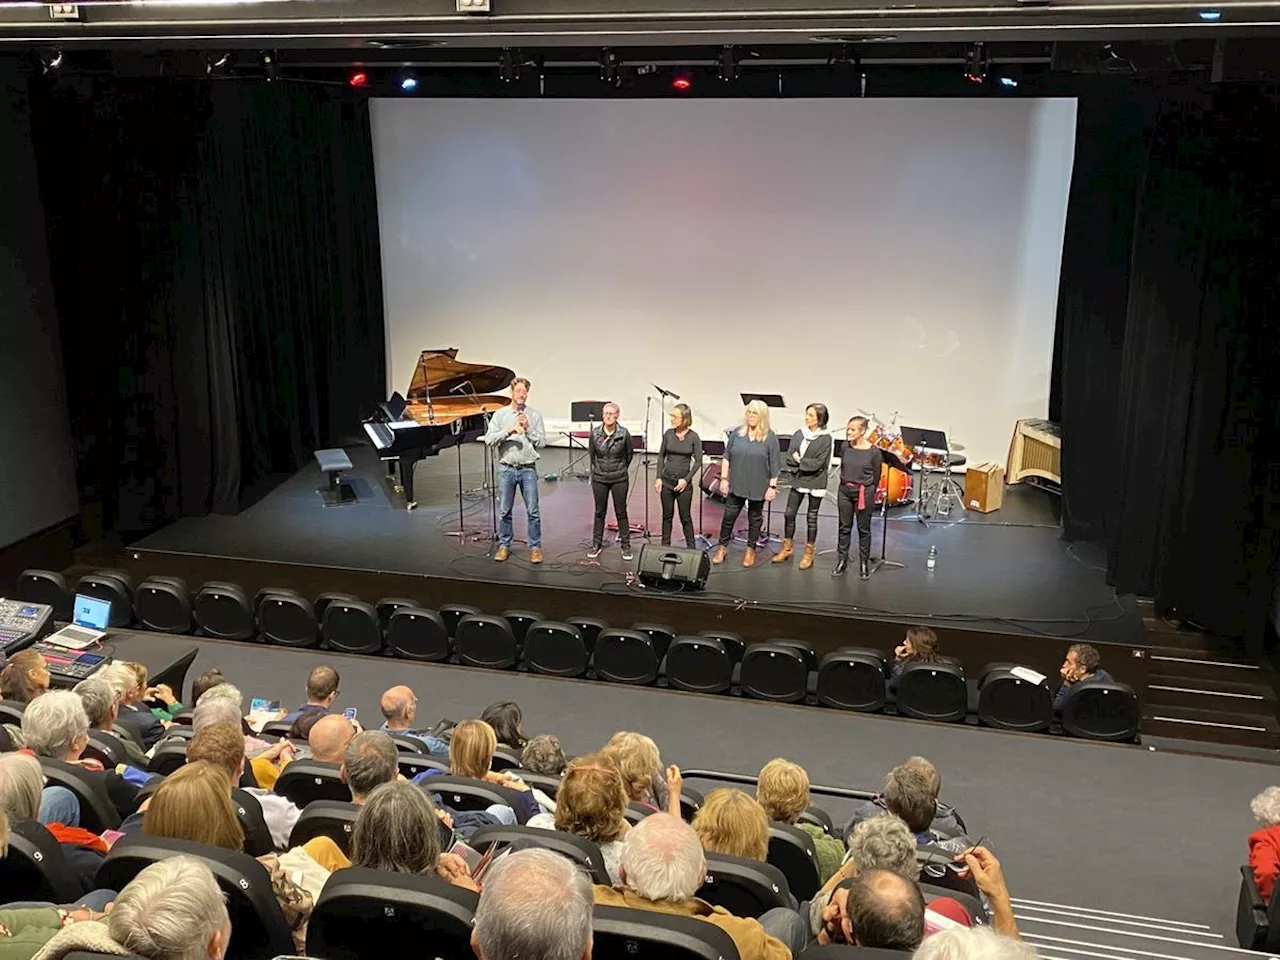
[334,819]
[351,626]
[163,604]
[485,641]
[555,649]
[387,607]
[804,648]
[288,620]
[1008,702]
[35,867]
[791,851]
[521,621]
[168,756]
[659,633]
[303,781]
[625,656]
[415,633]
[464,793]
[1102,711]
[852,678]
[732,642]
[452,614]
[581,851]
[48,587]
[746,888]
[774,671]
[933,691]
[324,599]
[700,664]
[622,934]
[590,628]
[97,812]
[115,588]
[223,610]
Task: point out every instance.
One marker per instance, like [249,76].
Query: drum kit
[937,492]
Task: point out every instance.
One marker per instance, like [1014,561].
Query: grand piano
[446,405]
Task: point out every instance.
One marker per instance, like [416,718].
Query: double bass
[446,403]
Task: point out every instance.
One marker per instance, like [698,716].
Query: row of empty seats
[712,662]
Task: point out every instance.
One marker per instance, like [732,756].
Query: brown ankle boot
[784,554]
[749,558]
[721,552]
[807,560]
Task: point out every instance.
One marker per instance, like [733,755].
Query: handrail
[846,793]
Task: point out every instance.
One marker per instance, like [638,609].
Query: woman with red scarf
[859,473]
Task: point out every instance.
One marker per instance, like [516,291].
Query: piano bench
[332,463]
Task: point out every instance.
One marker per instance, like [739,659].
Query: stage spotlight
[681,81]
[509,65]
[728,64]
[359,79]
[1210,15]
[408,83]
[1009,82]
[977,62]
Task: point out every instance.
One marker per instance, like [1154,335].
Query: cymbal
[957,447]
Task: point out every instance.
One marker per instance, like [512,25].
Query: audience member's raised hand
[161,691]
[453,869]
[675,786]
[989,876]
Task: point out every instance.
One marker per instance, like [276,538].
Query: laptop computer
[89,619]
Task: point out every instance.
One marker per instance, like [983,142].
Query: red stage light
[681,83]
[359,79]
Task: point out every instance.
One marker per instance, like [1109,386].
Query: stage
[1008,571]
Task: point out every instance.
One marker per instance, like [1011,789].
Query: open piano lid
[439,371]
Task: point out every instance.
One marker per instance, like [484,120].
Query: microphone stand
[488,469]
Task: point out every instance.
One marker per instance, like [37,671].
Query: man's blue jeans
[527,480]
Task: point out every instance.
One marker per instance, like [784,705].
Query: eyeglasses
[935,867]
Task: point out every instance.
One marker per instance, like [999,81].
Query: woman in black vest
[808,459]
[859,473]
[611,451]
[679,461]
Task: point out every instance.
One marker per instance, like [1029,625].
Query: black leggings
[755,519]
[670,500]
[811,515]
[847,501]
[602,491]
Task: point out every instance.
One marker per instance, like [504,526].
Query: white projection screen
[883,254]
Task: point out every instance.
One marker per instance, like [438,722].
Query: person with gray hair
[224,707]
[979,943]
[536,905]
[371,759]
[398,831]
[543,754]
[102,707]
[885,910]
[662,868]
[946,821]
[1264,844]
[224,691]
[172,910]
[911,792]
[610,450]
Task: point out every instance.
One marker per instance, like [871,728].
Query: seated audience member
[222,704]
[399,710]
[637,759]
[56,726]
[370,760]
[1264,844]
[506,720]
[172,910]
[733,824]
[206,681]
[471,755]
[909,793]
[536,905]
[99,699]
[131,714]
[544,755]
[1082,665]
[322,691]
[946,821]
[783,790]
[883,910]
[329,736]
[163,704]
[592,804]
[662,869]
[920,646]
[21,782]
[396,831]
[980,943]
[25,676]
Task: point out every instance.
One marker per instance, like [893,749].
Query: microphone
[665,393]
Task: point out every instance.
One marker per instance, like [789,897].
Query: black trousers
[671,500]
[755,519]
[847,501]
[811,515]
[602,491]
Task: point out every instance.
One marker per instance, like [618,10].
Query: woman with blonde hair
[679,461]
[637,759]
[471,755]
[732,823]
[748,475]
[591,803]
[783,790]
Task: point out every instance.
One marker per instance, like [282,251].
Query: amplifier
[673,568]
[22,624]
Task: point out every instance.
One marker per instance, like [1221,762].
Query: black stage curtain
[218,280]
[1167,372]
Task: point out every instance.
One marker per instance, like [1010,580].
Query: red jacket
[1264,857]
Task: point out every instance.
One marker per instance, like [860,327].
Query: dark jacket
[810,473]
[146,729]
[1098,676]
[611,456]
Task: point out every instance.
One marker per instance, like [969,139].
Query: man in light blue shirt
[517,433]
[399,707]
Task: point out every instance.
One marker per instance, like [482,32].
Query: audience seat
[972,904]
[113,587]
[590,628]
[581,851]
[852,678]
[222,610]
[406,743]
[334,819]
[484,641]
[163,604]
[820,819]
[843,951]
[387,607]
[257,835]
[546,783]
[699,664]
[276,728]
[791,851]
[521,621]
[288,620]
[258,927]
[1255,929]
[625,656]
[1102,711]
[404,910]
[621,934]
[97,812]
[11,711]
[452,613]
[168,756]
[774,671]
[463,793]
[323,600]
[936,872]
[1008,702]
[351,626]
[412,764]
[933,691]
[35,867]
[303,781]
[804,648]
[106,749]
[746,888]
[733,643]
[273,592]
[47,587]
[504,759]
[416,633]
[556,649]
[659,633]
[636,812]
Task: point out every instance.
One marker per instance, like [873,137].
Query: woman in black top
[808,460]
[611,451]
[679,460]
[748,477]
[859,473]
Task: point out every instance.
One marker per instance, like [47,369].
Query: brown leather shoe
[502,553]
[749,558]
[721,552]
[535,555]
[807,560]
[783,555]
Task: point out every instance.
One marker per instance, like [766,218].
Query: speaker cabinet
[673,568]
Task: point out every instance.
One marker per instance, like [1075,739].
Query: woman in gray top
[748,475]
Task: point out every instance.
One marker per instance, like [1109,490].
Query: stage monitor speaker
[673,568]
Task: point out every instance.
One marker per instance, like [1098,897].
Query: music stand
[773,401]
[892,461]
[591,411]
[713,449]
[456,440]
